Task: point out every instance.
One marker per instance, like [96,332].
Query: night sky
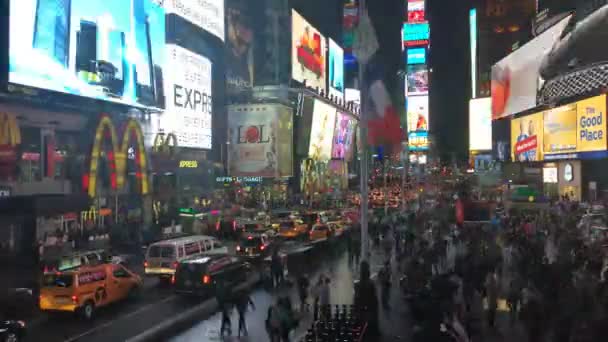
[449,59]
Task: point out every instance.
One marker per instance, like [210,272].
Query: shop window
[29,166]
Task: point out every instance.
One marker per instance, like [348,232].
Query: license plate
[61,301]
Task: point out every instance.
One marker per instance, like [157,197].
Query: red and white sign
[528,144]
[415,11]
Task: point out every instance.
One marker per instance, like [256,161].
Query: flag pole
[363,153]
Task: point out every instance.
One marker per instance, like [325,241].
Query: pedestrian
[276,269]
[224,300]
[303,285]
[243,300]
[324,294]
[273,323]
[316,292]
[385,284]
[492,297]
[514,298]
[366,303]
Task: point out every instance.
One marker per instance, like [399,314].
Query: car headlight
[21,323]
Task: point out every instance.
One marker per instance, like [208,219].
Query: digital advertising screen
[239,45]
[112,50]
[418,141]
[344,137]
[415,11]
[417,113]
[308,54]
[516,79]
[189,104]
[480,124]
[550,175]
[261,140]
[207,14]
[417,80]
[416,55]
[416,34]
[352,95]
[322,131]
[336,70]
[527,138]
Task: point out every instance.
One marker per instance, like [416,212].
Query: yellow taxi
[84,289]
[291,229]
[319,233]
[336,228]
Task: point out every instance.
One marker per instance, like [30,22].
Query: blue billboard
[418,141]
[416,33]
[111,50]
[416,56]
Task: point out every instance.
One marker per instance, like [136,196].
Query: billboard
[110,50]
[418,141]
[415,11]
[336,70]
[417,80]
[352,95]
[416,55]
[515,79]
[527,138]
[344,137]
[416,34]
[480,124]
[189,104]
[576,130]
[208,14]
[307,53]
[239,45]
[322,131]
[473,41]
[260,137]
[417,113]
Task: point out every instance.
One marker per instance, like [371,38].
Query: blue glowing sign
[416,56]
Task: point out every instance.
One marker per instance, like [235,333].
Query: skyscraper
[51,29]
[86,48]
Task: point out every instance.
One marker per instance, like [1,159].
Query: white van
[163,257]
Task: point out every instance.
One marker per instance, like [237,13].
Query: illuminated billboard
[415,11]
[344,137]
[336,70]
[308,54]
[417,113]
[106,50]
[516,78]
[322,131]
[576,130]
[418,141]
[416,55]
[416,34]
[480,124]
[208,14]
[239,45]
[417,80]
[260,137]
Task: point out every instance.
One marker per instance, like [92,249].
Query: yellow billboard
[591,117]
[561,132]
[527,138]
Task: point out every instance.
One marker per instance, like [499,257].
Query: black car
[201,275]
[12,331]
[253,246]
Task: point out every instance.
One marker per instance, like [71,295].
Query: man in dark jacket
[366,303]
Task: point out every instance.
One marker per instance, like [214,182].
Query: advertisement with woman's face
[239,45]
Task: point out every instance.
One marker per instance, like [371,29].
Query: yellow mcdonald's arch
[119,153]
[10,133]
[165,142]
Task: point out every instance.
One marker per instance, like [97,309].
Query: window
[217,244]
[208,245]
[120,272]
[58,280]
[161,252]
[192,248]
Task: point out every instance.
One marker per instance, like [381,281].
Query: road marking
[126,316]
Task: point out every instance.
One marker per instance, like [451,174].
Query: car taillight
[217,225]
[234,225]
[75,299]
[238,248]
[173,279]
[262,247]
[206,279]
[145,264]
[175,265]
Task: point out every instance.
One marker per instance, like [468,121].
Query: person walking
[366,303]
[243,300]
[303,285]
[224,300]
[324,294]
[276,268]
[492,297]
[273,323]
[385,284]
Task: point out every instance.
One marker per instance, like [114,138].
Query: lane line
[126,316]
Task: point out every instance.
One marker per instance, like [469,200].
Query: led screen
[207,14]
[308,53]
[416,34]
[336,70]
[417,113]
[111,50]
[322,131]
[480,124]
[344,136]
[416,56]
[417,80]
